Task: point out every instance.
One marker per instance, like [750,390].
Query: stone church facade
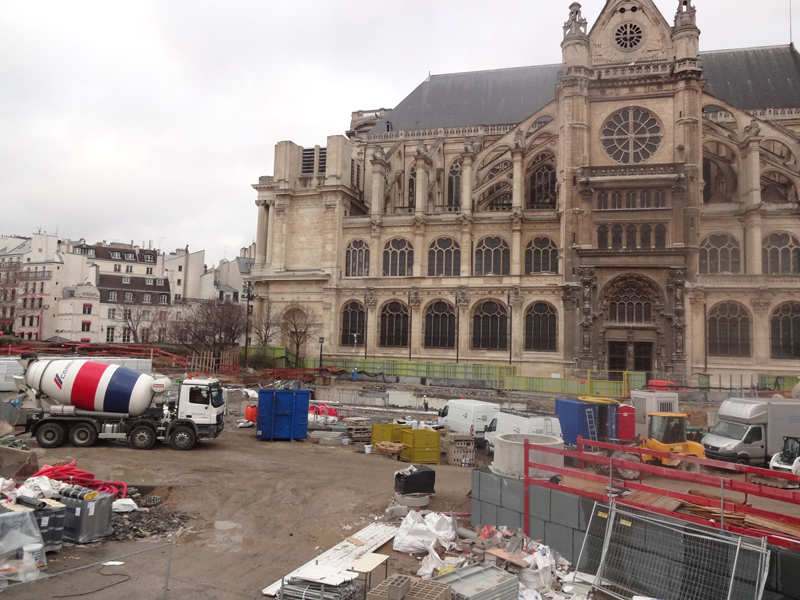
[633,208]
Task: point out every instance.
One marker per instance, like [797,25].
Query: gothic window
[616,200]
[644,235]
[492,257]
[394,325]
[729,330]
[454,184]
[540,328]
[412,187]
[646,199]
[444,258]
[616,237]
[780,255]
[490,327]
[630,237]
[661,236]
[602,201]
[659,199]
[499,195]
[440,325]
[543,188]
[719,253]
[631,136]
[630,199]
[353,318]
[541,256]
[356,259]
[630,306]
[785,331]
[398,259]
[602,238]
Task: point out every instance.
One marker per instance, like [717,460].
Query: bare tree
[298,327]
[10,274]
[210,326]
[265,323]
[142,322]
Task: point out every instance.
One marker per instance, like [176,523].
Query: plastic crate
[388,433]
[422,446]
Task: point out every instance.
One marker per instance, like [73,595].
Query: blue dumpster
[282,414]
[572,416]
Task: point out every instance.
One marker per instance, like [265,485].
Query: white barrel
[509,454]
[91,385]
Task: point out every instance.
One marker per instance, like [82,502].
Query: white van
[512,421]
[468,416]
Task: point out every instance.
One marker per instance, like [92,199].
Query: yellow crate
[387,433]
[422,446]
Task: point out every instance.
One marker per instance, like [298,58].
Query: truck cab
[200,408]
[736,442]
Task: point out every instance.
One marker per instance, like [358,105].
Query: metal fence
[579,387]
[634,553]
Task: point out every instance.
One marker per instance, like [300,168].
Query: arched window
[785,331]
[394,326]
[616,200]
[412,187]
[398,259]
[630,237]
[389,126]
[644,234]
[646,199]
[541,256]
[454,184]
[729,330]
[540,328]
[602,238]
[630,306]
[616,237]
[780,255]
[492,257]
[630,199]
[661,236]
[444,258]
[720,253]
[356,259]
[659,199]
[602,201]
[440,325]
[490,327]
[499,195]
[543,188]
[353,318]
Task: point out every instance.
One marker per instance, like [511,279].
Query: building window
[412,187]
[490,327]
[492,257]
[780,255]
[785,331]
[91,252]
[112,296]
[630,237]
[661,236]
[356,259]
[720,253]
[110,334]
[541,256]
[353,319]
[616,237]
[631,136]
[444,258]
[180,282]
[86,326]
[616,200]
[602,201]
[112,313]
[499,195]
[644,234]
[129,268]
[128,296]
[146,298]
[180,268]
[394,325]
[543,186]
[630,306]
[163,299]
[630,200]
[729,330]
[126,335]
[454,184]
[440,325]
[149,271]
[159,282]
[144,335]
[149,258]
[117,268]
[126,280]
[540,328]
[398,259]
[148,281]
[126,314]
[116,255]
[130,257]
[602,237]
[87,309]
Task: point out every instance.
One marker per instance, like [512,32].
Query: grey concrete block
[539,502]
[577,543]
[512,495]
[476,484]
[536,528]
[565,509]
[585,514]
[509,518]
[476,513]
[488,514]
[490,488]
[788,573]
[559,538]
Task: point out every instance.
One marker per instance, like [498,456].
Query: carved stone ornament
[371,301]
[576,24]
[519,140]
[413,298]
[469,146]
[422,149]
[379,154]
[570,302]
[587,339]
[760,303]
[752,130]
[462,298]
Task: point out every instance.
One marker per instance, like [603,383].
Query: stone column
[518,192]
[415,335]
[278,247]
[261,233]
[464,323]
[270,209]
[466,247]
[752,244]
[517,332]
[373,324]
[466,183]
[516,245]
[379,167]
[751,182]
[421,199]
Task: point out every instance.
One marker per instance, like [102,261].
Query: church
[634,208]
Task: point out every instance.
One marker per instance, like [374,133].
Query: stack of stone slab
[480,581]
[403,587]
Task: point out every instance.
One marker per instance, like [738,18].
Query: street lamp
[321,341]
[247,292]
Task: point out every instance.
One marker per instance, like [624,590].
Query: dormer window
[91,251]
[126,280]
[130,256]
[148,258]
[148,281]
[116,255]
[159,282]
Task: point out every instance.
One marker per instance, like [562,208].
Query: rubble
[144,524]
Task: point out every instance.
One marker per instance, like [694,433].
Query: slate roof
[137,285]
[750,78]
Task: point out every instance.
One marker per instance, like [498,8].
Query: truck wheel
[82,435]
[489,449]
[182,438]
[50,435]
[142,437]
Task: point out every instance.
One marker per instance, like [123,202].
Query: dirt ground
[259,510]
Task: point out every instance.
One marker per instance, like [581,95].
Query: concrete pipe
[509,454]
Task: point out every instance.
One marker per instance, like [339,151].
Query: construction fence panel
[575,387]
[634,553]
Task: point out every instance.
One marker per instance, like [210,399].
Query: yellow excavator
[667,433]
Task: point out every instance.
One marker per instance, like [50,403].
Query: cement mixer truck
[84,400]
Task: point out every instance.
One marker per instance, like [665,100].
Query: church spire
[576,24]
[686,15]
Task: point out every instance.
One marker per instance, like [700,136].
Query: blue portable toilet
[282,414]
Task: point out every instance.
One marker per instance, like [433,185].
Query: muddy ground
[259,510]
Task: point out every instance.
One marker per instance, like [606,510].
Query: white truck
[86,400]
[468,416]
[516,421]
[751,431]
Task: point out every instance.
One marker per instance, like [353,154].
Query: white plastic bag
[414,536]
[429,564]
[40,487]
[442,526]
[124,505]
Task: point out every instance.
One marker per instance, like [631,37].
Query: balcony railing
[28,275]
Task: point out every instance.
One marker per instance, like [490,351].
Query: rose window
[629,36]
[631,136]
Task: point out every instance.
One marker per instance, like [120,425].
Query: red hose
[72,475]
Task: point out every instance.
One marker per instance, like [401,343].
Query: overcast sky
[149,121]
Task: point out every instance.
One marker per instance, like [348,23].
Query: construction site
[312,485]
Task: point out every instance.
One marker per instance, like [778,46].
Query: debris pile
[144,524]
